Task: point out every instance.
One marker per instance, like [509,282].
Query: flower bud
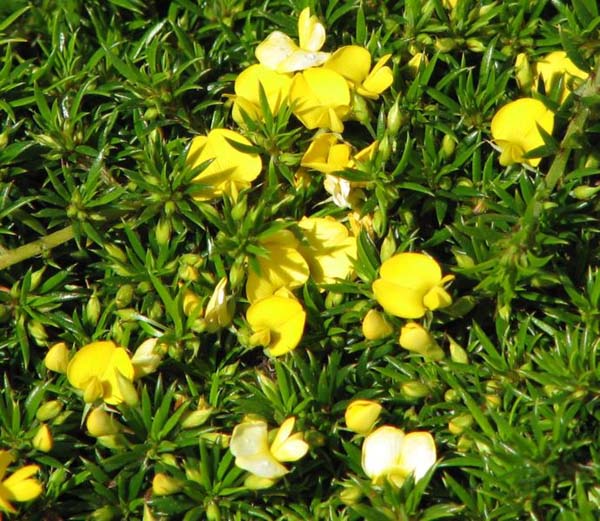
[219,310]
[192,473]
[333,299]
[112,441]
[417,339]
[93,308]
[57,358]
[448,146]
[115,252]
[147,357]
[49,410]
[4,139]
[458,424]
[147,514]
[394,119]
[360,109]
[100,423]
[105,513]
[212,512]
[127,390]
[350,495]
[361,415]
[388,247]
[415,390]
[237,274]
[197,417]
[164,485]
[188,273]
[124,296]
[445,44]
[457,353]
[375,326]
[43,440]
[38,331]
[191,303]
[36,278]
[254,482]
[475,45]
[238,212]
[414,64]
[523,73]
[584,192]
[163,232]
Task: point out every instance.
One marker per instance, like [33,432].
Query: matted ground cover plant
[299,260]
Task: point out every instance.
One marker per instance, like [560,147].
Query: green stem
[10,257]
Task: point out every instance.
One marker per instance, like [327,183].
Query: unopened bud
[127,389]
[124,296]
[164,485]
[93,309]
[163,232]
[475,45]
[350,495]
[147,357]
[460,423]
[43,440]
[100,423]
[238,212]
[394,119]
[584,192]
[361,415]
[415,390]
[388,247]
[197,417]
[523,73]
[375,326]
[57,358]
[36,278]
[457,352]
[49,410]
[448,146]
[105,513]
[219,310]
[333,299]
[38,331]
[115,252]
[417,339]
[445,44]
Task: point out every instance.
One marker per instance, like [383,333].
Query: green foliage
[98,104]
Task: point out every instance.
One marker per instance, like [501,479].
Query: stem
[10,257]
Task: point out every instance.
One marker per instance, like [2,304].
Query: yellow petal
[378,80]
[317,155]
[300,60]
[417,339]
[437,297]
[311,33]
[4,504]
[381,451]
[257,483]
[43,440]
[21,486]
[352,62]
[293,449]
[398,300]
[6,458]
[262,465]
[249,438]
[412,270]
[418,454]
[90,361]
[274,49]
[375,326]
[57,358]
[276,86]
[100,423]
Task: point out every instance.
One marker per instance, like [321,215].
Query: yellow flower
[326,154]
[57,358]
[354,63]
[250,446]
[415,338]
[100,423]
[98,369]
[361,415]
[280,53]
[281,267]
[375,326]
[277,323]
[410,284]
[165,485]
[19,486]
[230,171]
[320,98]
[414,64]
[389,453]
[219,310]
[331,249]
[555,66]
[515,130]
[523,72]
[276,87]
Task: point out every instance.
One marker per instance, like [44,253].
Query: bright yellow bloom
[281,267]
[230,171]
[354,63]
[555,66]
[331,249]
[277,323]
[43,440]
[375,326]
[250,446]
[99,369]
[276,87]
[410,284]
[100,423]
[515,130]
[415,338]
[147,357]
[361,415]
[320,98]
[389,453]
[19,486]
[57,358]
[327,154]
[280,53]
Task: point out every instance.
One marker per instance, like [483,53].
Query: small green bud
[379,223]
[237,274]
[49,410]
[385,147]
[360,109]
[457,353]
[475,45]
[151,113]
[156,311]
[38,331]
[105,513]
[93,309]
[238,212]
[144,287]
[415,390]
[3,139]
[170,208]
[445,44]
[523,73]
[350,495]
[333,299]
[124,296]
[36,278]
[212,512]
[388,247]
[163,232]
[451,396]
[115,252]
[394,119]
[584,192]
[448,146]
[460,423]
[464,443]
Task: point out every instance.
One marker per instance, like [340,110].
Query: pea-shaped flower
[390,454]
[253,452]
[515,130]
[230,170]
[280,53]
[320,98]
[556,66]
[19,486]
[354,63]
[102,371]
[361,415]
[331,249]
[409,284]
[277,323]
[281,267]
[276,87]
